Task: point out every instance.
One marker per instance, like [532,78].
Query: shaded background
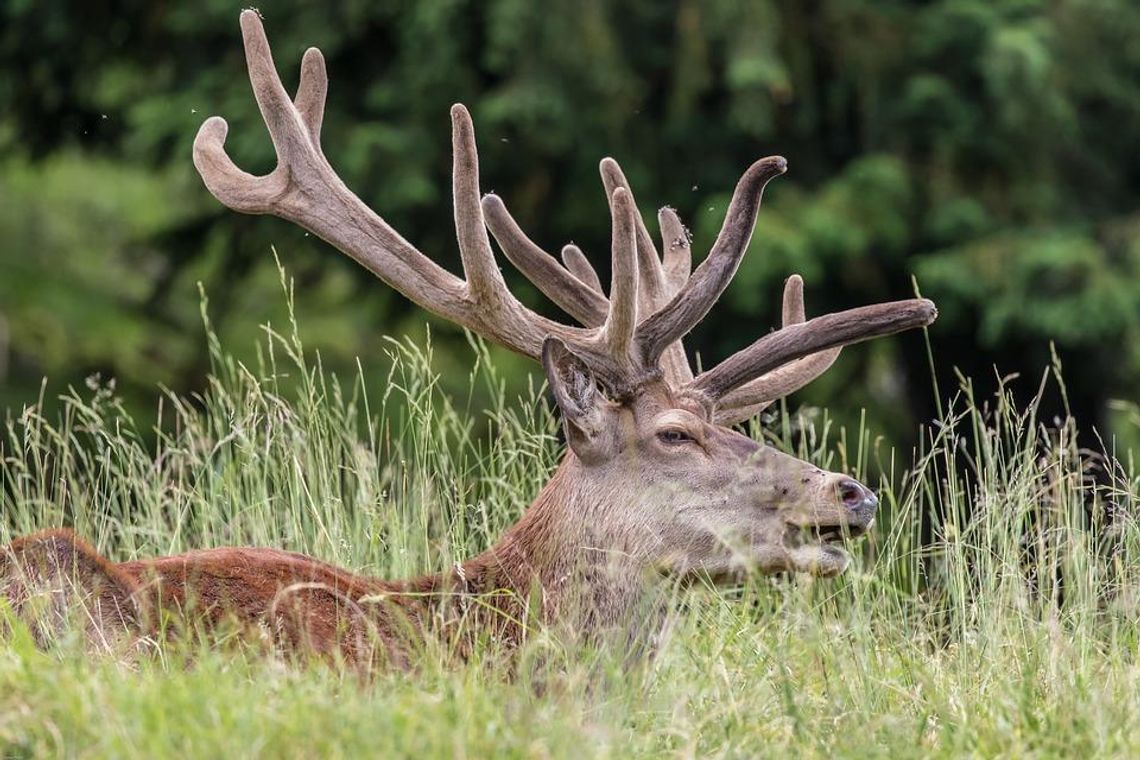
[986,149]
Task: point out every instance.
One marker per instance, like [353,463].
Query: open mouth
[835,534]
[821,550]
[824,535]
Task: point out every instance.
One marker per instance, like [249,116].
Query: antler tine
[754,396]
[792,310]
[653,287]
[581,267]
[311,93]
[677,250]
[795,341]
[235,188]
[651,277]
[622,318]
[676,246]
[567,291]
[705,286]
[277,109]
[484,280]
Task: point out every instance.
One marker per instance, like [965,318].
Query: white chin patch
[824,560]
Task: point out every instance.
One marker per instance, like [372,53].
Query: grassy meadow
[993,612]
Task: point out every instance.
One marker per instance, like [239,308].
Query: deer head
[654,470]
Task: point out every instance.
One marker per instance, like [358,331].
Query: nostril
[855,496]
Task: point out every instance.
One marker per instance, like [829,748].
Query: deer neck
[567,553]
[561,567]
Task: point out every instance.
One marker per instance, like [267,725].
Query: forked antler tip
[209,143]
[675,234]
[766,168]
[463,131]
[465,154]
[500,221]
[313,60]
[213,129]
[622,202]
[460,115]
[926,310]
[251,26]
[225,181]
[612,175]
[793,306]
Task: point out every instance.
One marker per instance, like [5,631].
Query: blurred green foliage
[986,148]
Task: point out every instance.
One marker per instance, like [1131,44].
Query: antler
[754,396]
[631,336]
[304,189]
[576,288]
[775,366]
[795,341]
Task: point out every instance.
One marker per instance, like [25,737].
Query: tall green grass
[993,612]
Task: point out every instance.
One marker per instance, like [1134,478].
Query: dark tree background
[985,149]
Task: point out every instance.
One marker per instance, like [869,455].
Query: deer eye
[673,436]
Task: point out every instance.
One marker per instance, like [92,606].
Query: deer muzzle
[859,502]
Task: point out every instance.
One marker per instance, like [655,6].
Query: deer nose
[857,497]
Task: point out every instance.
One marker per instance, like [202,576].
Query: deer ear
[576,392]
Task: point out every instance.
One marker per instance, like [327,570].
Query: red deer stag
[654,484]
